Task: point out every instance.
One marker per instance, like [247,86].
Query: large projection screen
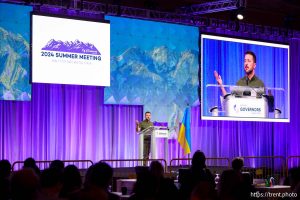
[14,52]
[70,51]
[242,101]
[154,64]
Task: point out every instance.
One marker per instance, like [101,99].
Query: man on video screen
[250,79]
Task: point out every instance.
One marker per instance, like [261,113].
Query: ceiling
[278,13]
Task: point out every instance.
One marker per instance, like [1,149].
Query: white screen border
[247,41]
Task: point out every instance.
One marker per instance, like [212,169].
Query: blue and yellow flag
[184,136]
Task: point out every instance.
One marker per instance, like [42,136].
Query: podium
[245,102]
[246,106]
[155,132]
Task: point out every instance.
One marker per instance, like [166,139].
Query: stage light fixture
[240,16]
[241,5]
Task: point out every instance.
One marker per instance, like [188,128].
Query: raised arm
[220,82]
[137,126]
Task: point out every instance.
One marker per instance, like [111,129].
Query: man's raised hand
[218,78]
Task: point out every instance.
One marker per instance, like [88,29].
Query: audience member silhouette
[142,188]
[204,191]
[58,165]
[71,181]
[198,172]
[162,188]
[30,163]
[24,184]
[233,185]
[5,169]
[151,184]
[237,164]
[97,181]
[294,180]
[51,184]
[229,184]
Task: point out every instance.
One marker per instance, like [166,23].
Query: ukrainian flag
[184,136]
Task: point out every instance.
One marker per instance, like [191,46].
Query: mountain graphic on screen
[14,66]
[170,75]
[71,47]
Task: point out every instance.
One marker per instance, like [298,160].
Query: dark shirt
[190,178]
[234,185]
[158,189]
[145,124]
[254,82]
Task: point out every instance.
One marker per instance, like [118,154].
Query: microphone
[259,92]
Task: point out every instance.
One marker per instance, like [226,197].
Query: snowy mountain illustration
[71,47]
[162,79]
[14,67]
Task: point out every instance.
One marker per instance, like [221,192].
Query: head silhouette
[5,168]
[198,160]
[237,164]
[156,169]
[99,174]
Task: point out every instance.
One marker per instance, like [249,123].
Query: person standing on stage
[140,126]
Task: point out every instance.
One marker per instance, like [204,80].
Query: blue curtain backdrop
[67,122]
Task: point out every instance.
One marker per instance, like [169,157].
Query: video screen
[154,64]
[244,80]
[70,51]
[14,52]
